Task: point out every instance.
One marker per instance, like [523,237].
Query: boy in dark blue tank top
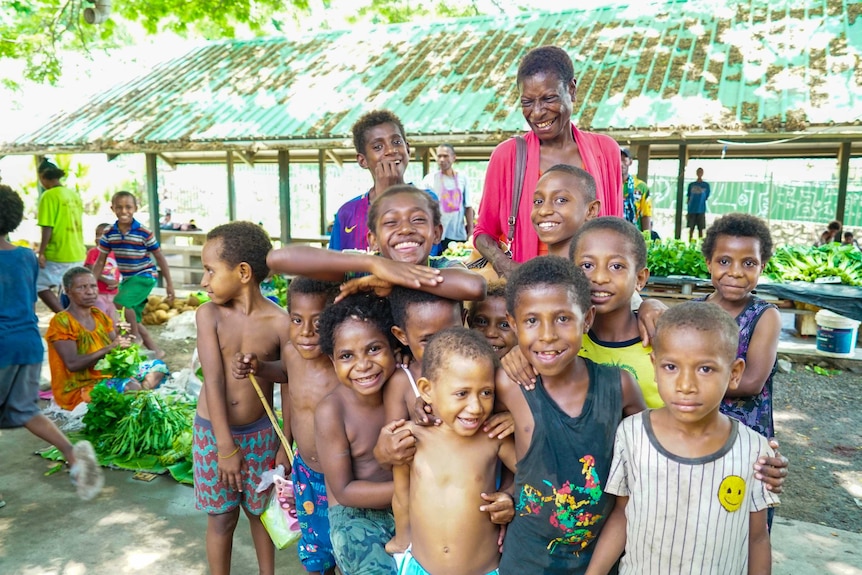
[564,429]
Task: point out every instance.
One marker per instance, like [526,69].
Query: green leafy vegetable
[151,426]
[107,406]
[672,257]
[121,362]
[809,263]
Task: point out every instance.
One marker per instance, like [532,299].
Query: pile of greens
[809,263]
[670,257]
[121,362]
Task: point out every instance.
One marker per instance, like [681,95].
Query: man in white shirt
[451,189]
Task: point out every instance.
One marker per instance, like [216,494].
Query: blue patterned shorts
[312,511]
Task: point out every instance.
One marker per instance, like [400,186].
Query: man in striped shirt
[135,248]
[687,498]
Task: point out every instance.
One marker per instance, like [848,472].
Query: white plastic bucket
[836,334]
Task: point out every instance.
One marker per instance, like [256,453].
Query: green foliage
[151,427]
[398,11]
[107,406]
[672,257]
[121,362]
[822,370]
[808,263]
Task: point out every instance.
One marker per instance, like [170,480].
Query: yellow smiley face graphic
[731,492]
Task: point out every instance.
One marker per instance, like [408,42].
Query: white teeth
[397,162]
[548,225]
[601,294]
[405,245]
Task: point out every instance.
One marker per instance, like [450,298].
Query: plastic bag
[279,518]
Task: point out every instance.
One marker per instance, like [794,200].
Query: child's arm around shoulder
[633,397]
[762,352]
[460,284]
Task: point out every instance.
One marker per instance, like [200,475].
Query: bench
[185,263]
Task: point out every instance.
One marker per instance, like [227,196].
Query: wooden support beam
[231,189]
[168,161]
[321,180]
[843,177]
[642,153]
[336,159]
[426,155]
[112,157]
[153,198]
[680,182]
[284,195]
[246,157]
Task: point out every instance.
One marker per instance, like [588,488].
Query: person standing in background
[61,213]
[698,193]
[637,205]
[451,189]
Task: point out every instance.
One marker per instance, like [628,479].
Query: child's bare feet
[86,474]
[395,545]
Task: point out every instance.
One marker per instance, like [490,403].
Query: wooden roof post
[642,154]
[321,179]
[843,176]
[680,196]
[231,189]
[284,194]
[153,199]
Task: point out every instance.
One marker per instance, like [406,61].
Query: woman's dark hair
[546,59]
[49,170]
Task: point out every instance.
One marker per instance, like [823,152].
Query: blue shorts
[19,394]
[257,444]
[359,538]
[312,511]
[410,566]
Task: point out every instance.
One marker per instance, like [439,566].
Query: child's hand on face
[243,364]
[381,288]
[406,275]
[396,444]
[500,425]
[388,173]
[519,369]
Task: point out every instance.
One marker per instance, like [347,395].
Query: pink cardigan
[601,157]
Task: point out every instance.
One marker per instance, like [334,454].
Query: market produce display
[458,250]
[834,262]
[671,257]
[158,310]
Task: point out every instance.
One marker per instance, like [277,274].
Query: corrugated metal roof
[695,67]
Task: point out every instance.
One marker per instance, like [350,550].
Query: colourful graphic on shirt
[450,200]
[571,512]
[731,492]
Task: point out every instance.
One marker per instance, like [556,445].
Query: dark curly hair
[11,210]
[546,59]
[402,298]
[712,321]
[49,170]
[586,183]
[624,228]
[365,307]
[456,342]
[548,271]
[243,242]
[309,286]
[740,226]
[370,120]
[432,206]
[124,194]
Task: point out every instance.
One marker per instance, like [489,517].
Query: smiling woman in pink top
[547,90]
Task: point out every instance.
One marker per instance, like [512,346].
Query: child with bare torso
[356,334]
[453,473]
[234,442]
[310,377]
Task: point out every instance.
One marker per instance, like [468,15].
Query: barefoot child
[564,429]
[612,253]
[704,458]
[403,225]
[234,442]
[79,336]
[452,476]
[310,377]
[21,353]
[135,248]
[489,318]
[356,334]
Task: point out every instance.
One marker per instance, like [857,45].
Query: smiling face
[362,356]
[462,394]
[124,207]
[694,369]
[305,310]
[220,280]
[404,230]
[384,143]
[609,263]
[559,210]
[424,320]
[550,327]
[547,105]
[489,317]
[735,267]
[84,291]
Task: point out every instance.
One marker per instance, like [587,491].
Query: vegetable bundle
[121,362]
[151,427]
[672,257]
[807,263]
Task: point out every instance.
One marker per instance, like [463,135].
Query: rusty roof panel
[674,67]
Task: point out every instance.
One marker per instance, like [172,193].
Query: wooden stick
[272,418]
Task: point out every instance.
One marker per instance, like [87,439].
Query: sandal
[86,473]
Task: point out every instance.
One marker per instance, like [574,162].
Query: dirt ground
[818,424]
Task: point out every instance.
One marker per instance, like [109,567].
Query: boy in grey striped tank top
[687,498]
